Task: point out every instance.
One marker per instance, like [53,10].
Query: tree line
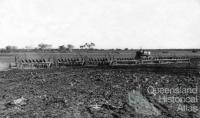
[47,47]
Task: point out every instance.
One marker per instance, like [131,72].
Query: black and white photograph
[99,58]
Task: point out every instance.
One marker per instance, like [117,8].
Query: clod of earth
[96,106]
[16,103]
[141,104]
[21,101]
[2,105]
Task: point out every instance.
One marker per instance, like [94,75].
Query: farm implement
[33,63]
[141,59]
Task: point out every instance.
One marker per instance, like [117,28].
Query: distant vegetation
[42,47]
[9,49]
[87,46]
[64,48]
[195,50]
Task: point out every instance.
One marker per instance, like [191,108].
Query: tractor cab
[141,54]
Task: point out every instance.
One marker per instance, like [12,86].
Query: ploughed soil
[90,92]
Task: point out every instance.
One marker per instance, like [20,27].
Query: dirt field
[72,92]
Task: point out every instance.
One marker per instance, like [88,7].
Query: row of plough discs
[92,61]
[62,62]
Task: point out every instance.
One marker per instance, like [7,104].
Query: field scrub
[117,54]
[70,92]
[122,53]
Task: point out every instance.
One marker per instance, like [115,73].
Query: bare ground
[74,92]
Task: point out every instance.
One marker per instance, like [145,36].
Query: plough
[33,63]
[139,60]
[69,62]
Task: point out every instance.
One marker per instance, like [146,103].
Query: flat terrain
[73,92]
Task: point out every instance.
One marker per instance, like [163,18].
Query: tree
[43,46]
[82,46]
[87,46]
[92,45]
[126,49]
[62,48]
[10,48]
[70,47]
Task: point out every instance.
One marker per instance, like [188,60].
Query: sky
[107,23]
